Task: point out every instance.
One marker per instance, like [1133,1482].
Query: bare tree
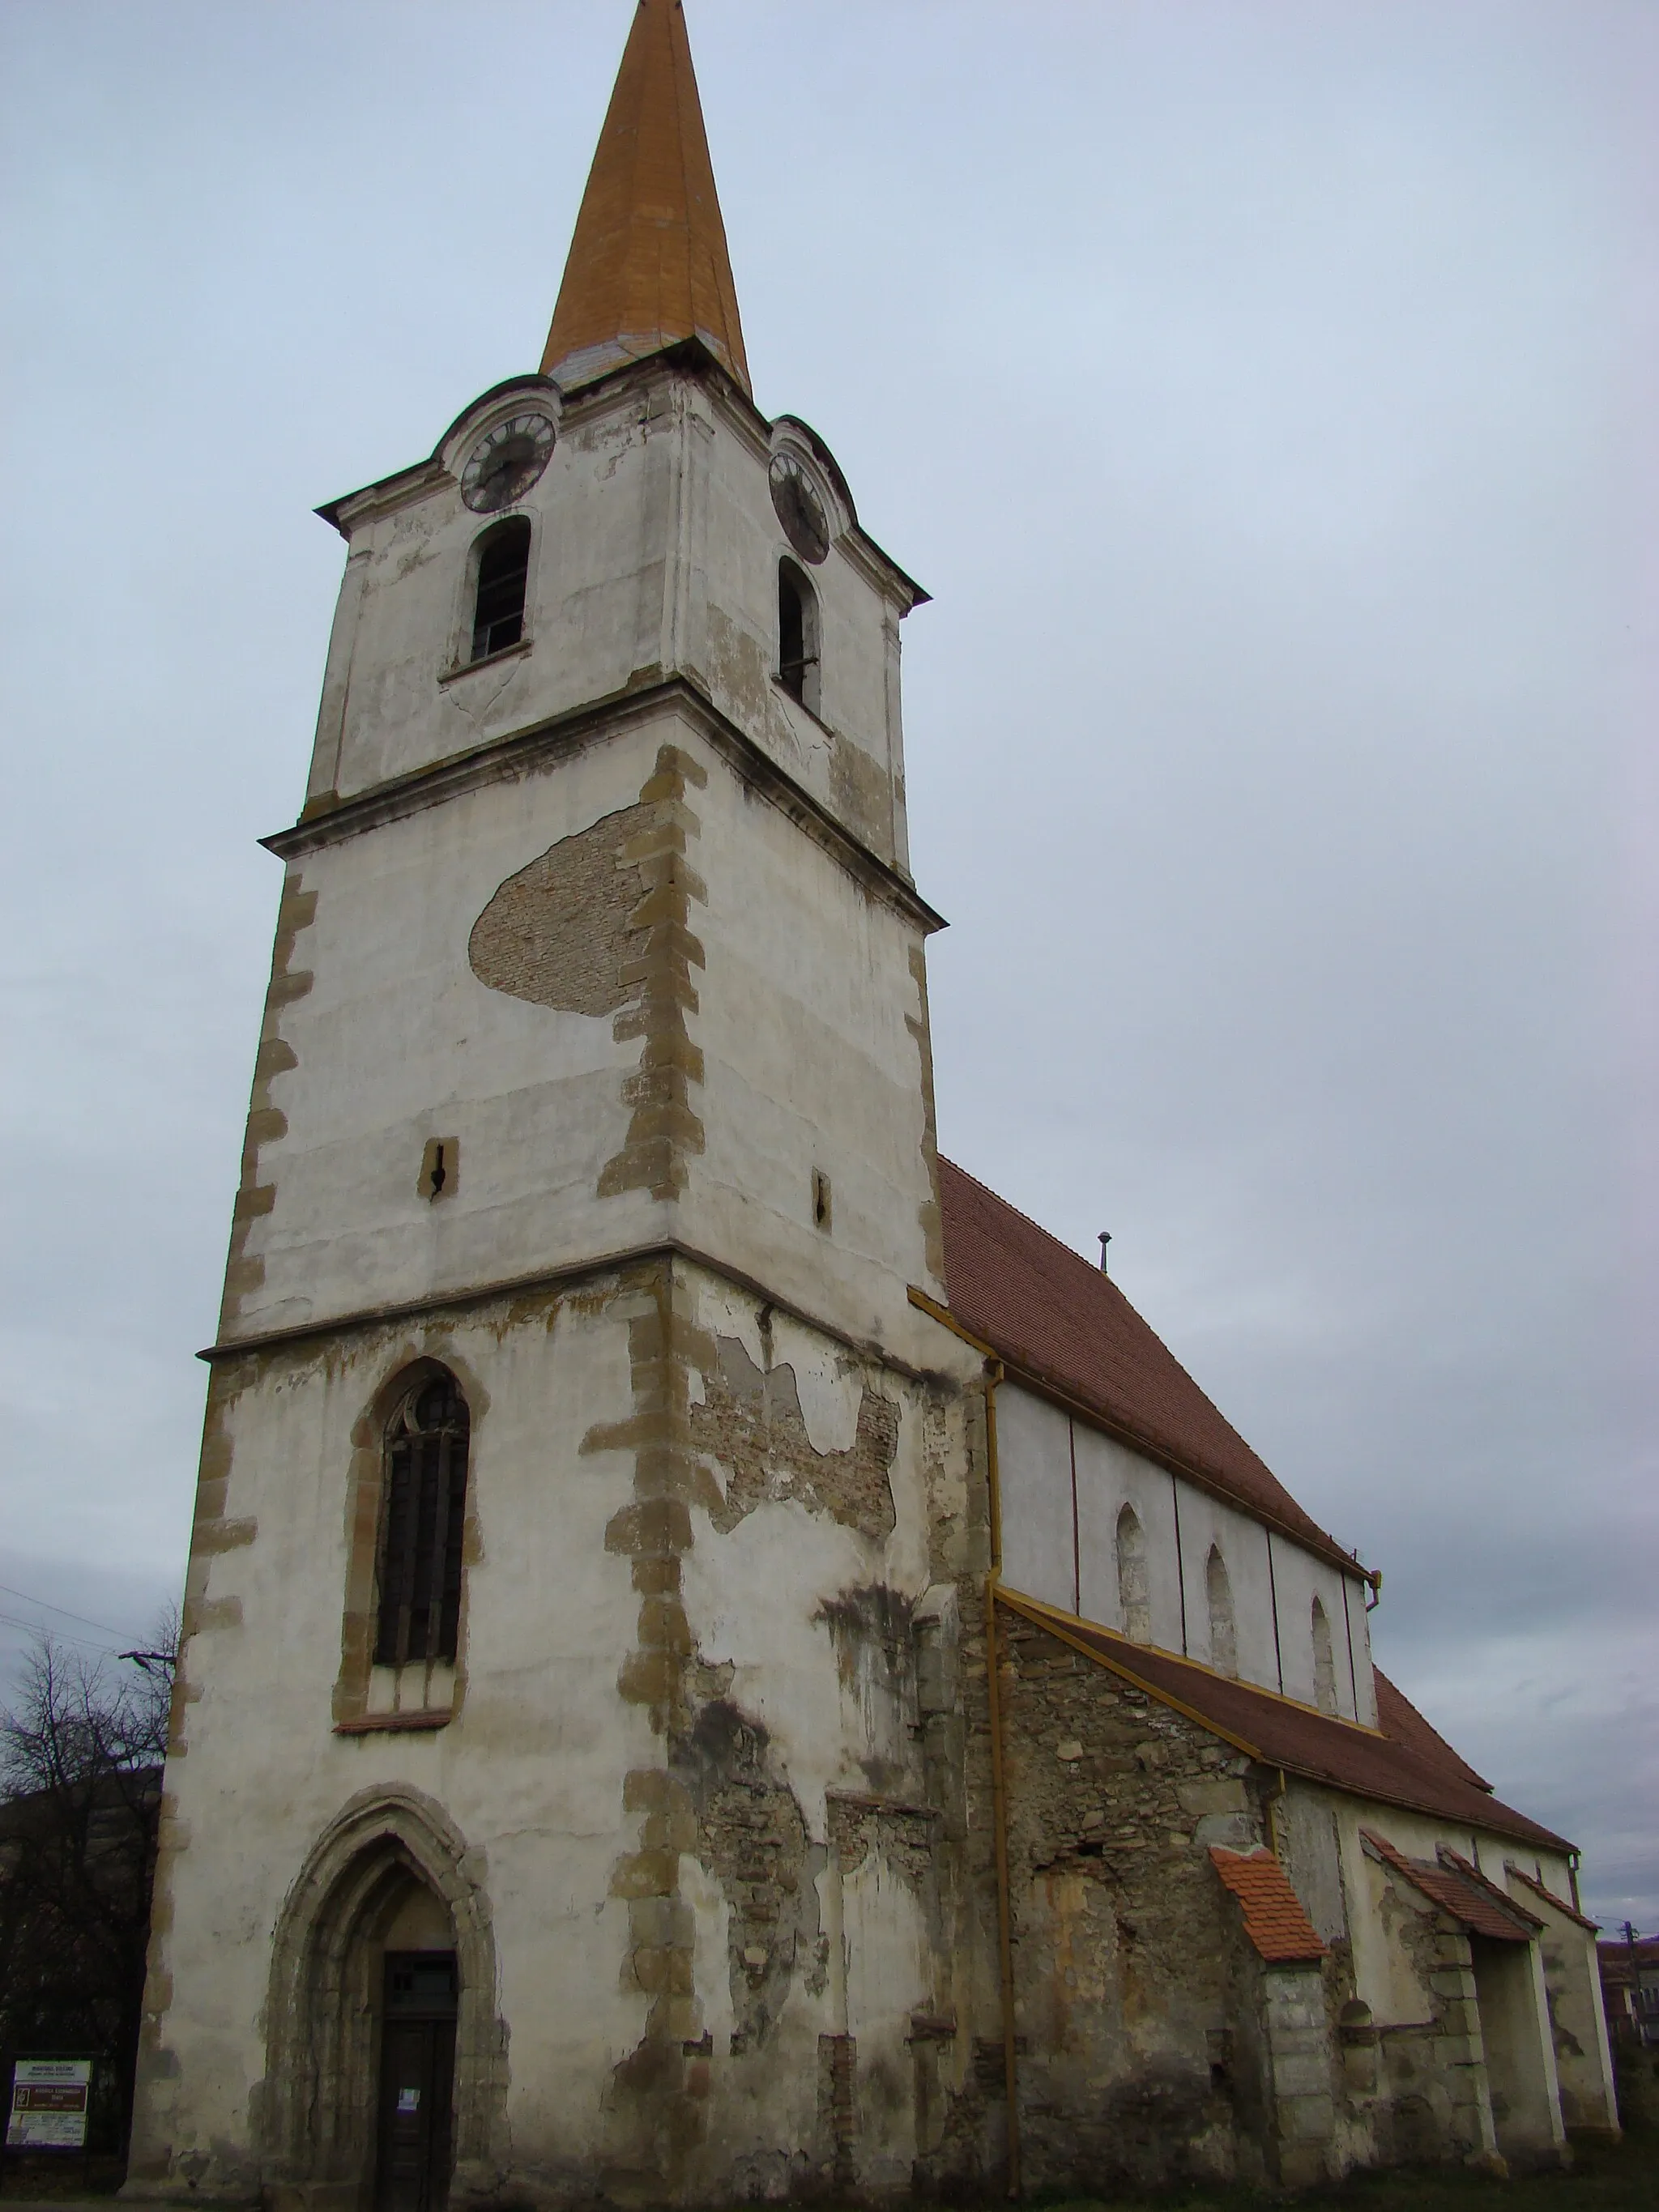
[80,1753]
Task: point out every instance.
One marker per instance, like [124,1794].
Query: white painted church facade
[720,1660]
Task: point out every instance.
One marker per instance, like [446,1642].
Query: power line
[46,1606]
[109,1651]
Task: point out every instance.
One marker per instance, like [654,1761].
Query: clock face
[799,508]
[506,462]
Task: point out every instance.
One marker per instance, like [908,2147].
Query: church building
[721,1660]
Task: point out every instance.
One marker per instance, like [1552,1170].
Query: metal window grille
[504,574]
[423,1517]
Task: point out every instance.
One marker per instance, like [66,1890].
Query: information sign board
[49,2099]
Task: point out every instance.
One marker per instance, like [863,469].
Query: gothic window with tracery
[423,1516]
[1224,1629]
[1132,1593]
[1324,1661]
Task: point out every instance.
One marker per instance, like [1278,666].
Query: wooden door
[417,2082]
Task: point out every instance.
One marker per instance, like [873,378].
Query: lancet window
[1133,1594]
[1224,1629]
[423,1517]
[1324,1661]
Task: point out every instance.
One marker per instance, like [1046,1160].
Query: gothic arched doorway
[385,2070]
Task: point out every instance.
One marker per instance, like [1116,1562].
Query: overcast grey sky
[1267,393]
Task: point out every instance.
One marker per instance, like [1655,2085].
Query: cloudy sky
[1266,392]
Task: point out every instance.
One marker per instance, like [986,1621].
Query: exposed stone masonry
[557,932]
[750,1421]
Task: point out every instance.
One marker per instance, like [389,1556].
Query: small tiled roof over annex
[1044,1309]
[1273,1918]
[1403,1761]
[1461,1889]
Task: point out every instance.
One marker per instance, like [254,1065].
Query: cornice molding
[504,759]
[462,1299]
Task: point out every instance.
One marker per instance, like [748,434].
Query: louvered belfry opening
[422,1522]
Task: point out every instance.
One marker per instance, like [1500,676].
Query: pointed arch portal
[391,1870]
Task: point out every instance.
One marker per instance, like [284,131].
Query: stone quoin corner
[721,1660]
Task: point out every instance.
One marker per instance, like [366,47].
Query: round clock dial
[506,462]
[799,508]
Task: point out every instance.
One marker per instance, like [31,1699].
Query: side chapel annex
[721,1659]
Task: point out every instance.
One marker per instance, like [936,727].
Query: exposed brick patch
[559,931]
[750,1421]
[664,1127]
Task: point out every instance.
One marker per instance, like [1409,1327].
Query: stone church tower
[721,1659]
[590,1149]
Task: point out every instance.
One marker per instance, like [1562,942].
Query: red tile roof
[1558,1903]
[1402,1762]
[1273,1918]
[1046,1311]
[1461,1889]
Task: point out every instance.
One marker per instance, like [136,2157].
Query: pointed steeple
[648,265]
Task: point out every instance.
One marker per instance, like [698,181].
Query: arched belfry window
[1324,1661]
[797,635]
[1131,1590]
[423,1516]
[1224,1629]
[503,577]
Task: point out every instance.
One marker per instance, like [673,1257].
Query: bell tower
[566,1380]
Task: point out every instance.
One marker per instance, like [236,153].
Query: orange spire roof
[648,265]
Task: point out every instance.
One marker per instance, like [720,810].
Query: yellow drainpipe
[998,1783]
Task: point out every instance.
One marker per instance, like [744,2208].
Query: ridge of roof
[648,265]
[1275,1918]
[1342,1754]
[1047,1311]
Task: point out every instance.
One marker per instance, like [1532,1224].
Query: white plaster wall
[530,1770]
[1074,1565]
[754,1597]
[1299,1577]
[807,1004]
[655,549]
[741,546]
[1243,1545]
[1381,1979]
[399,1041]
[1109,1476]
[1034,1473]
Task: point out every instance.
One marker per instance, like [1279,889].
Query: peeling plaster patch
[663,1128]
[751,1836]
[871,1634]
[711,1956]
[557,932]
[750,1422]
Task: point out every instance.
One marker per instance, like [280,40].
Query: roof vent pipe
[1105,1239]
